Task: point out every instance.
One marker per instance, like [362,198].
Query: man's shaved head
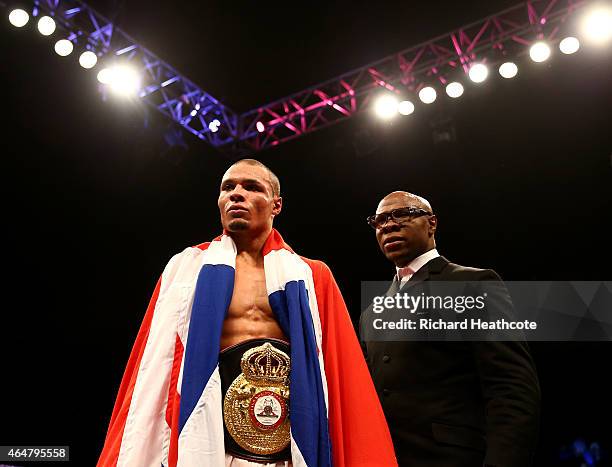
[272,178]
[410,199]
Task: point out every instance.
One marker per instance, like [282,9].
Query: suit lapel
[393,288]
[430,270]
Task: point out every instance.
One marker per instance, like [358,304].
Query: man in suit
[448,404]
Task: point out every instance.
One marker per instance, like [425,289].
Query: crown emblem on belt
[266,363]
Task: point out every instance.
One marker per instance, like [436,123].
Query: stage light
[214,125]
[63,47]
[508,70]
[478,72]
[125,80]
[427,95]
[405,107]
[260,127]
[539,52]
[569,45]
[454,89]
[386,106]
[19,18]
[88,59]
[597,25]
[105,76]
[46,25]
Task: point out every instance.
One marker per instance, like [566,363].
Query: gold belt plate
[256,405]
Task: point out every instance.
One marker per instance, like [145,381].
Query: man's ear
[277,206]
[433,224]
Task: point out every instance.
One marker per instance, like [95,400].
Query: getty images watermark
[422,304]
[492,310]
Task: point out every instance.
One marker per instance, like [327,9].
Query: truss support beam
[163,87]
[492,40]
[500,37]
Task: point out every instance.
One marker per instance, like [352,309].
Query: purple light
[260,127]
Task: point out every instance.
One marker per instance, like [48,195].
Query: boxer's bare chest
[249,315]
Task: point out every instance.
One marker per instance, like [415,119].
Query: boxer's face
[246,201]
[403,241]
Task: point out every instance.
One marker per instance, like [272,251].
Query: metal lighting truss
[497,38]
[163,87]
[500,37]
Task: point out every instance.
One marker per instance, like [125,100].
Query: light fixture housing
[19,17]
[427,95]
[569,45]
[385,106]
[539,52]
[508,70]
[46,25]
[597,25]
[405,107]
[63,47]
[88,59]
[478,72]
[454,89]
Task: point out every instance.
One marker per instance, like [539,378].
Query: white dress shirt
[405,273]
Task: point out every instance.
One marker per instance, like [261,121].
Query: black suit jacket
[457,404]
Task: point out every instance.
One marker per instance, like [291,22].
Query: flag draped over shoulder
[169,406]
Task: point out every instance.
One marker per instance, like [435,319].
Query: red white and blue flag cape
[169,407]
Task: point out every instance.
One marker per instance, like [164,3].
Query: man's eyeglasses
[398,215]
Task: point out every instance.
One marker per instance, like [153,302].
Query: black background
[94,203]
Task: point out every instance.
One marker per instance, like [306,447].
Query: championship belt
[255,383]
